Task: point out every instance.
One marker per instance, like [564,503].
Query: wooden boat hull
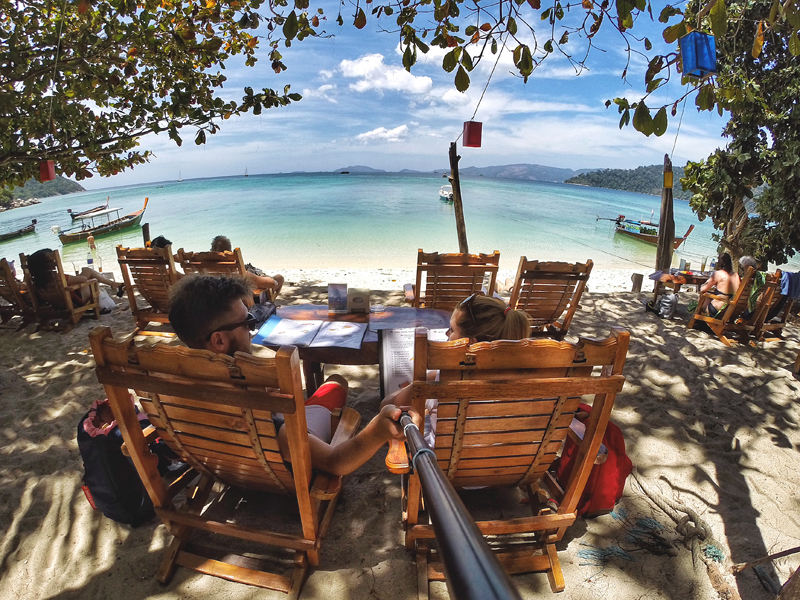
[87,212]
[19,232]
[126,222]
[650,238]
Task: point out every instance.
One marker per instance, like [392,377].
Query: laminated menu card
[287,332]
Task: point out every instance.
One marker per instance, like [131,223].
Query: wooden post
[146,233]
[461,227]
[666,227]
[637,279]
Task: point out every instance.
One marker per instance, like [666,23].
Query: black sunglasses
[467,303]
[250,321]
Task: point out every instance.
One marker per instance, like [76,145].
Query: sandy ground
[711,428]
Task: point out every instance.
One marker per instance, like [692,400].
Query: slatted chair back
[773,318]
[152,272]
[549,293]
[726,325]
[15,300]
[218,263]
[56,300]
[450,278]
[504,409]
[216,413]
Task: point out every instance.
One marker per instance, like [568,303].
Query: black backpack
[111,483]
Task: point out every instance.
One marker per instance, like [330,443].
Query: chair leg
[554,574]
[299,576]
[422,571]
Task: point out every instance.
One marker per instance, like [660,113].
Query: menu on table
[312,333]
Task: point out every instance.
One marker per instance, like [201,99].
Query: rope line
[486,87]
[55,64]
[675,143]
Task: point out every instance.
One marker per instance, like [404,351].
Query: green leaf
[705,97]
[545,14]
[290,26]
[719,19]
[653,85]
[450,61]
[674,32]
[642,121]
[200,138]
[794,44]
[624,119]
[667,12]
[466,60]
[647,44]
[660,122]
[409,58]
[512,26]
[462,80]
[548,46]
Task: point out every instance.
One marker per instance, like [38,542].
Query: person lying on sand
[253,275]
[209,313]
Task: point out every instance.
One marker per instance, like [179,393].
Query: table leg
[315,376]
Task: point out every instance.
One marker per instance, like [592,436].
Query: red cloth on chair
[606,481]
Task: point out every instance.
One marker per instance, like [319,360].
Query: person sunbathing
[42,275]
[723,282]
[255,276]
[208,313]
[479,318]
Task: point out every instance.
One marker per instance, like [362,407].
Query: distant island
[527,172]
[33,190]
[644,180]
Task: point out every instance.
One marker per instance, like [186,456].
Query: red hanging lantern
[472,134]
[47,170]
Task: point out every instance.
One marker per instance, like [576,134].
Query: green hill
[644,180]
[35,189]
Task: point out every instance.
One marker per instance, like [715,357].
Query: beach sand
[711,428]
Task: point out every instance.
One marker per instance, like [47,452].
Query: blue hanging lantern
[699,54]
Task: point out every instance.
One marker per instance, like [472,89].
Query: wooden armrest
[327,486]
[397,458]
[150,435]
[348,423]
[715,297]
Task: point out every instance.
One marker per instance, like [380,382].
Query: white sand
[714,428]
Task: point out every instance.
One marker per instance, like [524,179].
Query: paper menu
[287,332]
[340,334]
[397,356]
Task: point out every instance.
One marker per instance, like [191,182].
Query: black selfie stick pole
[471,568]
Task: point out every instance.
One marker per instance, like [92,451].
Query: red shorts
[331,395]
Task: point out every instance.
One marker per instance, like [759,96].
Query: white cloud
[397,134]
[326,75]
[373,74]
[321,92]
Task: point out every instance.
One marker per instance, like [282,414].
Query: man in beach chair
[254,275]
[209,313]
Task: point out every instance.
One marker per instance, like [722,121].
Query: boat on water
[88,212]
[645,231]
[94,224]
[446,193]
[245,171]
[12,234]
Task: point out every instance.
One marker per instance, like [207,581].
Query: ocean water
[323,221]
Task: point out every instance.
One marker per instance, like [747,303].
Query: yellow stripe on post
[668,179]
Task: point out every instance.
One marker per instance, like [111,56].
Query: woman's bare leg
[88,273]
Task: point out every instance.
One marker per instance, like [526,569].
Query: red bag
[606,481]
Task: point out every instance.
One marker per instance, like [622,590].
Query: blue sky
[360,107]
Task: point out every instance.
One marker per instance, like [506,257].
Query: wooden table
[393,317]
[695,278]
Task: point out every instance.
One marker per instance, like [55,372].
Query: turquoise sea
[326,220]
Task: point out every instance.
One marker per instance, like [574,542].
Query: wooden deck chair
[770,327]
[729,323]
[57,306]
[14,302]
[504,410]
[152,272]
[219,263]
[215,412]
[450,278]
[755,319]
[549,293]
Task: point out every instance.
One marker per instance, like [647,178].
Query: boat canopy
[99,213]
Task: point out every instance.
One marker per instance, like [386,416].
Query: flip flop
[120,291]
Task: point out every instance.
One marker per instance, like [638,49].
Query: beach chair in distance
[215,412]
[549,293]
[17,301]
[450,278]
[730,323]
[770,327]
[152,272]
[504,409]
[219,263]
[57,305]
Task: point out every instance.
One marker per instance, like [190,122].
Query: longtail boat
[12,234]
[96,227]
[88,212]
[644,231]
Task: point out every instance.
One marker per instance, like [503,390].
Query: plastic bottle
[713,264]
